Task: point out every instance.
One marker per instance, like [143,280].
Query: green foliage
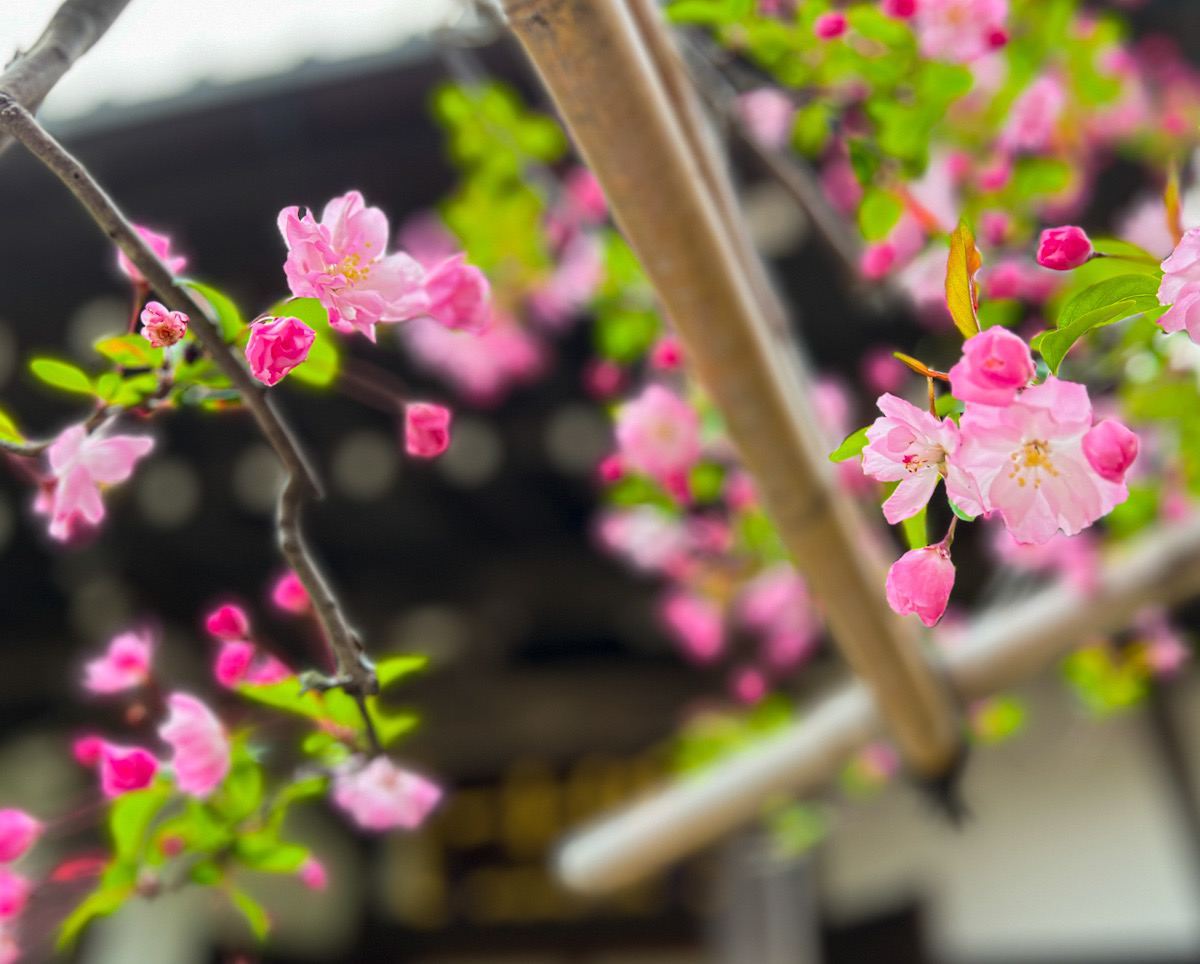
[878,213]
[61,374]
[705,481]
[130,816]
[8,428]
[1109,301]
[916,531]
[253,911]
[100,903]
[131,351]
[395,668]
[625,335]
[1104,681]
[229,318]
[851,447]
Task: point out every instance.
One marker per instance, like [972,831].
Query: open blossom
[228,622]
[14,894]
[458,294]
[125,768]
[1029,463]
[1180,286]
[239,661]
[160,244]
[768,114]
[920,582]
[201,748]
[480,367]
[276,346]
[289,594]
[160,327]
[79,464]
[342,262]
[995,364]
[584,196]
[777,605]
[1064,248]
[695,622]
[18,832]
[912,447]
[1034,116]
[960,31]
[380,795]
[646,536]
[580,270]
[658,433]
[124,665]
[426,429]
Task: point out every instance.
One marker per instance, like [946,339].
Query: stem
[932,396]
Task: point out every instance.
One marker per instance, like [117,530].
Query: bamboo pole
[1006,646]
[592,58]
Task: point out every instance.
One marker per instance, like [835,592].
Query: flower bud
[276,346]
[228,622]
[18,832]
[1064,248]
[426,429]
[1110,449]
[920,582]
[995,364]
[830,25]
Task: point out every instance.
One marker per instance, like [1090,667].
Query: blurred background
[553,692]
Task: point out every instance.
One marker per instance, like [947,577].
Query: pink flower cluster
[18,833]
[960,31]
[238,660]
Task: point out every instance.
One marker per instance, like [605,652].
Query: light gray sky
[160,48]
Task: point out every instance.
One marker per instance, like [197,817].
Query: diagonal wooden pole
[592,57]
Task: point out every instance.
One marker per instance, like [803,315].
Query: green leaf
[60,374]
[229,319]
[959,512]
[810,130]
[300,790]
[962,294]
[389,727]
[242,791]
[253,911]
[99,903]
[126,391]
[852,445]
[308,310]
[130,351]
[130,818]
[395,668]
[947,404]
[1110,301]
[321,366]
[1039,175]
[916,533]
[264,851]
[705,481]
[8,428]
[286,696]
[878,213]
[207,873]
[623,335]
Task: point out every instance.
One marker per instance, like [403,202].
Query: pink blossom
[426,429]
[879,761]
[840,183]
[380,795]
[1110,449]
[877,260]
[342,262]
[14,894]
[920,582]
[912,447]
[1145,224]
[777,605]
[124,665]
[959,31]
[426,237]
[995,364]
[610,469]
[201,748]
[658,433]
[480,367]
[579,272]
[666,354]
[1029,463]
[880,371]
[603,378]
[768,114]
[312,874]
[1180,286]
[18,832]
[740,491]
[458,294]
[1165,651]
[10,950]
[228,622]
[79,464]
[830,25]
[160,244]
[289,594]
[646,536]
[900,9]
[584,196]
[239,661]
[1017,278]
[695,622]
[1064,248]
[162,328]
[125,768]
[1034,116]
[995,226]
[748,685]
[87,750]
[996,175]
[276,346]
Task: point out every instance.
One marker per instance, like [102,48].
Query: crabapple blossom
[87,750]
[381,796]
[666,354]
[1110,449]
[14,894]
[603,378]
[584,196]
[1028,461]
[777,605]
[312,874]
[1180,286]
[124,665]
[748,685]
[920,582]
[900,9]
[289,594]
[201,749]
[341,262]
[426,429]
[480,367]
[994,366]
[276,346]
[239,661]
[18,832]
[458,294]
[1034,115]
[960,31]
[1074,559]
[1064,248]
[830,25]
[649,538]
[579,271]
[79,464]
[228,622]
[160,244]
[695,622]
[658,433]
[912,447]
[124,768]
[768,114]
[160,327]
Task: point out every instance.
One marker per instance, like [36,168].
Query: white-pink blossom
[201,748]
[959,31]
[381,796]
[1180,286]
[658,433]
[124,665]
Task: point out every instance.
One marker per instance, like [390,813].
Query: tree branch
[353,669]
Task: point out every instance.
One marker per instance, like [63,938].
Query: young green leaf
[60,374]
[131,351]
[8,428]
[130,818]
[228,317]
[99,903]
[1110,301]
[253,911]
[395,668]
[852,445]
[916,533]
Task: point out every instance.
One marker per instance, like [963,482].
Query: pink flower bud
[14,894]
[900,9]
[426,429]
[289,594]
[920,582]
[172,845]
[276,346]
[748,685]
[995,364]
[162,328]
[312,874]
[603,378]
[232,662]
[87,750]
[18,832]
[830,25]
[125,768]
[610,469]
[877,260]
[458,295]
[667,353]
[1110,449]
[124,665]
[201,749]
[1064,248]
[228,622]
